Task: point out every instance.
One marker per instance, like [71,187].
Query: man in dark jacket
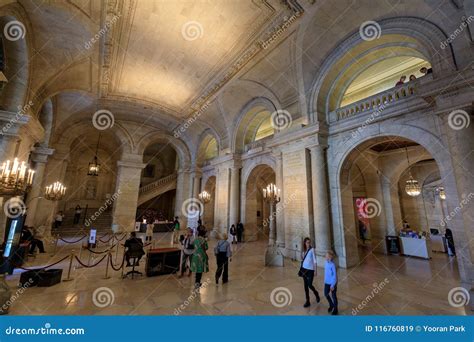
[240,231]
[134,248]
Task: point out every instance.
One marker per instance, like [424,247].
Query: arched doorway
[257,211]
[373,191]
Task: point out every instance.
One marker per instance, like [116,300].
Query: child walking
[330,282]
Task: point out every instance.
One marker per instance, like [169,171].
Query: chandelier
[412,188]
[55,191]
[441,193]
[205,197]
[94,166]
[271,193]
[15,176]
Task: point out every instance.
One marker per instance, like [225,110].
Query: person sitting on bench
[134,248]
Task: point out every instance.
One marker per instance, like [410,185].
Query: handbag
[301,272]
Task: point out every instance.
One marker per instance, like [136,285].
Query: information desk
[162,261]
[415,247]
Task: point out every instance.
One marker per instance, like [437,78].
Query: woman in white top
[149,232]
[308,270]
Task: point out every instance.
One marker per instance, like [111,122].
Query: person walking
[176,228]
[223,253]
[233,232]
[58,220]
[188,250]
[199,260]
[330,283]
[308,271]
[149,232]
[240,231]
[77,214]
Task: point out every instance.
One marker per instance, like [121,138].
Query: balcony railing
[374,102]
[157,183]
[258,143]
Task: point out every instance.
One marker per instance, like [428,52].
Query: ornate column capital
[40,154]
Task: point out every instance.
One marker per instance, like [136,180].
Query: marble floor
[379,285]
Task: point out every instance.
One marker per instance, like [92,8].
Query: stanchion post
[123,264]
[71,259]
[116,252]
[108,261]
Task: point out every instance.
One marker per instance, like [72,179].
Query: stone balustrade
[157,183]
[374,102]
[258,143]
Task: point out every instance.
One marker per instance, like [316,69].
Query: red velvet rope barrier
[106,251]
[112,264]
[45,267]
[87,266]
[107,240]
[71,242]
[123,237]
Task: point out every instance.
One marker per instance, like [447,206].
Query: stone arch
[180,147]
[204,139]
[248,120]
[346,153]
[410,36]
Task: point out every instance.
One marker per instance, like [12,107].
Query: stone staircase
[156,188]
[102,223]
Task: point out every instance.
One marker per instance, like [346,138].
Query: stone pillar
[126,190]
[387,205]
[322,229]
[184,194]
[234,204]
[39,157]
[280,209]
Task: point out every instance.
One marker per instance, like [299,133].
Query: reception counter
[420,248]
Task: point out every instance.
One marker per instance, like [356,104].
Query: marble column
[322,229]
[184,194]
[280,212]
[387,205]
[234,196]
[40,157]
[127,187]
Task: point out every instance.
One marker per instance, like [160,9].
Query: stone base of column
[274,257]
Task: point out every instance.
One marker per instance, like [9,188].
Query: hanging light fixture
[441,193]
[412,188]
[55,191]
[15,177]
[205,197]
[271,193]
[94,166]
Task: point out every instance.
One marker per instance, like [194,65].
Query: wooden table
[161,261]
